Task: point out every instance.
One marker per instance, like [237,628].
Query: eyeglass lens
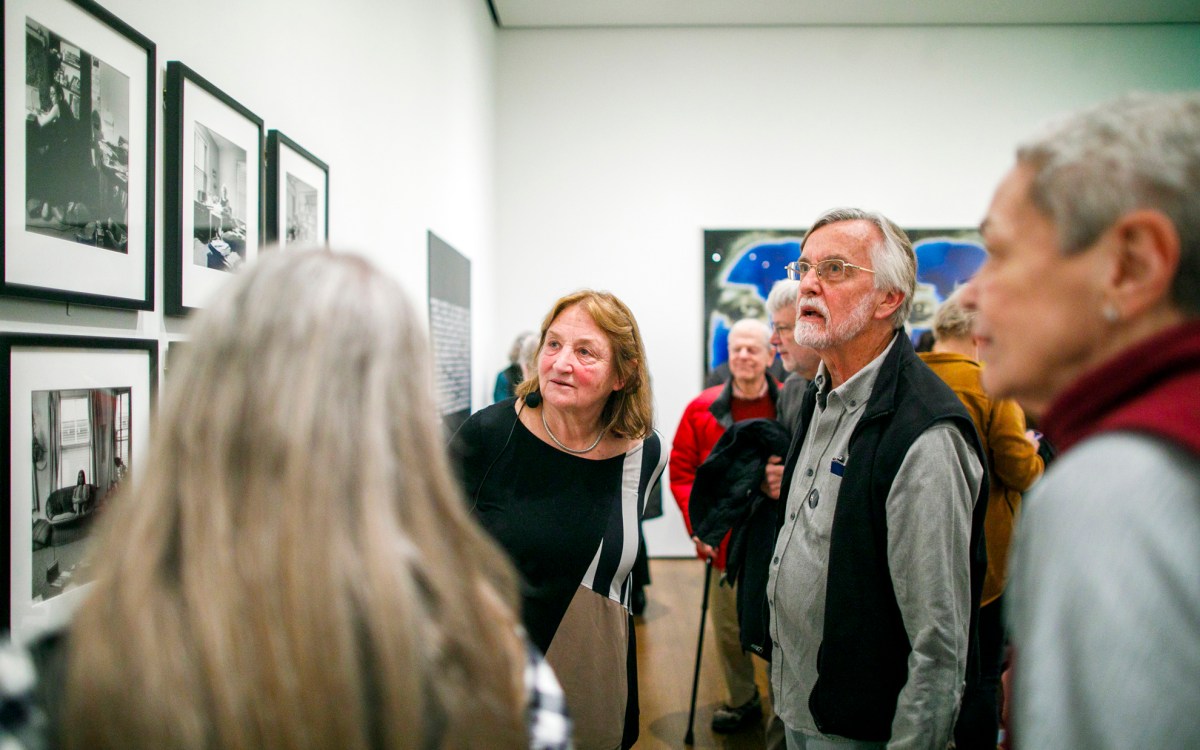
[830,270]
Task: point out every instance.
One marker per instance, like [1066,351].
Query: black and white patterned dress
[570,526]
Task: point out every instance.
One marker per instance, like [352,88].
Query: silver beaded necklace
[559,442]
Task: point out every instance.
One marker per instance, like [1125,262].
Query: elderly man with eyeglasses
[750,394]
[874,585]
[799,361]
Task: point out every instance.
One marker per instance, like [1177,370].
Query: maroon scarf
[1153,388]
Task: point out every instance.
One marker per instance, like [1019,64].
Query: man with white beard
[875,581]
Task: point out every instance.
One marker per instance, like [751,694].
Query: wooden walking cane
[689,738]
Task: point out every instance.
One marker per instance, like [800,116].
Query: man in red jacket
[749,393]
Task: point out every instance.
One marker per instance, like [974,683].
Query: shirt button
[814,497]
[793,517]
[808,473]
[776,560]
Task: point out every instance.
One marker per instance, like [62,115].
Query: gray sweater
[1103,601]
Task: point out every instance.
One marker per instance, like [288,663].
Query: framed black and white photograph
[77,412]
[297,194]
[213,189]
[79,124]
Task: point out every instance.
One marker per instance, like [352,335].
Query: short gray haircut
[952,320]
[527,356]
[894,260]
[782,295]
[752,326]
[514,351]
[1138,151]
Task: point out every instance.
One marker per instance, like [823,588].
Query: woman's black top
[564,520]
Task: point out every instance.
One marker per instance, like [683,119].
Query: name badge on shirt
[837,466]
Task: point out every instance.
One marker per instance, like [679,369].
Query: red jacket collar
[1153,387]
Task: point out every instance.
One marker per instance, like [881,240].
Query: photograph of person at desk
[219,225]
[76,143]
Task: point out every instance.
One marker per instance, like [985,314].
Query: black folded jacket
[726,497]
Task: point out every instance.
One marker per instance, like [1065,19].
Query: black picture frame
[79,157]
[211,143]
[104,438]
[297,209]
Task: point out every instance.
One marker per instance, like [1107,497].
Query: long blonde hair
[294,567]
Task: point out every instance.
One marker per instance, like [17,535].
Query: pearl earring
[1110,313]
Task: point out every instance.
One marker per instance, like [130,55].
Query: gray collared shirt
[929,528]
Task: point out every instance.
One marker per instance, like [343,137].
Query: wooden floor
[666,645]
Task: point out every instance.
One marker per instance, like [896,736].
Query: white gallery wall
[617,148]
[556,159]
[397,97]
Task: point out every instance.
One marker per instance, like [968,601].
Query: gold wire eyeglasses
[827,270]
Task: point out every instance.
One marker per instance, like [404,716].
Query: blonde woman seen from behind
[295,568]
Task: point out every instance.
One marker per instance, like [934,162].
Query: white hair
[1138,151]
[782,295]
[893,258]
[753,327]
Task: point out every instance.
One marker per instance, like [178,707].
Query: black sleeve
[465,449]
[479,442]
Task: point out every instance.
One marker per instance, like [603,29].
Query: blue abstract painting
[741,265]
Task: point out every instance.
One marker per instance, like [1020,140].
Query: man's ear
[1147,259]
[891,302]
